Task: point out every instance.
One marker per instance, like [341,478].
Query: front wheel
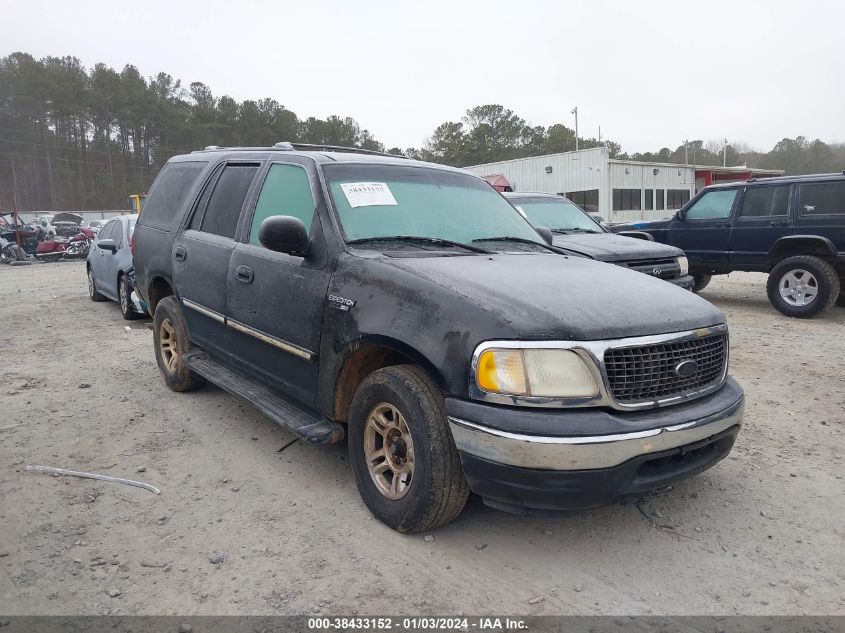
[802,286]
[405,462]
[92,287]
[700,281]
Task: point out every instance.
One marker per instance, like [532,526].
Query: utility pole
[599,134]
[575,112]
[725,154]
[686,151]
[15,207]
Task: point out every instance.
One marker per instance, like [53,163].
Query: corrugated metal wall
[633,175]
[592,169]
[571,171]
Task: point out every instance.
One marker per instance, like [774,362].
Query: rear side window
[764,201]
[285,192]
[169,192]
[822,198]
[224,206]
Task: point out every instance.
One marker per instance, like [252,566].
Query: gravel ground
[244,527]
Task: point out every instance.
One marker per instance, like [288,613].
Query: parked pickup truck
[791,227]
[575,231]
[408,307]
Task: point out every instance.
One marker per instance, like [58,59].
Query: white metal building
[618,190]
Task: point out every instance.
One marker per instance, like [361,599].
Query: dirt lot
[761,533]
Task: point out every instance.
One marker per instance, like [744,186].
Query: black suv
[790,227]
[575,231]
[409,307]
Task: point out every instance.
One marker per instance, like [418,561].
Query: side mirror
[679,216]
[545,233]
[284,234]
[107,245]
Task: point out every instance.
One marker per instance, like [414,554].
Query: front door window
[713,205]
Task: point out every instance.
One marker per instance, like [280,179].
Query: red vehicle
[52,250]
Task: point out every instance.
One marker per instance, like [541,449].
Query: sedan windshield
[557,214]
[375,202]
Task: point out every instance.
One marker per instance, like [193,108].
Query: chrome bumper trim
[584,453]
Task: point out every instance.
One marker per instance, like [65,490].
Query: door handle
[779,222]
[722,225]
[244,274]
[180,254]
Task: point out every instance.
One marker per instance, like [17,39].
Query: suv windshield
[557,214]
[381,201]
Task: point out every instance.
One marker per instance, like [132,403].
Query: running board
[294,418]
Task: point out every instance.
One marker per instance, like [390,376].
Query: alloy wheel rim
[389,451]
[798,287]
[123,303]
[168,345]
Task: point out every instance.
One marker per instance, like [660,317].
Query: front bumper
[512,460]
[686,282]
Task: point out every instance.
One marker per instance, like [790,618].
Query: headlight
[683,262]
[552,373]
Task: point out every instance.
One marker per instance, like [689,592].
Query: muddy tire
[700,281]
[93,293]
[171,344]
[406,466]
[802,286]
[840,301]
[124,299]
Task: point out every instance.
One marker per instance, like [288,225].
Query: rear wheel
[171,345]
[802,286]
[92,287]
[405,462]
[840,301]
[124,298]
[700,281]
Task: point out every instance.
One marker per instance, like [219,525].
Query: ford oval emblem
[686,368]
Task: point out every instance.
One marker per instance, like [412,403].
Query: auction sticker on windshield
[368,194]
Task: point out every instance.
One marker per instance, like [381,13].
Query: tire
[806,274]
[124,299]
[92,287]
[168,325]
[437,491]
[840,301]
[700,281]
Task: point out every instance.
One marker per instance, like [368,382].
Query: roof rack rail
[287,146]
[333,148]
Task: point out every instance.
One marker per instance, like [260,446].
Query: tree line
[77,138]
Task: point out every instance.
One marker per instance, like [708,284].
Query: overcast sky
[650,73]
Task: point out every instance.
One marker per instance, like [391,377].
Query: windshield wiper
[420,238]
[508,238]
[574,228]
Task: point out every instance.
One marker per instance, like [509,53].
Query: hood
[639,225]
[539,296]
[608,247]
[67,217]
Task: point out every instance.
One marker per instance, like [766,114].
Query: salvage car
[109,266]
[407,306]
[576,232]
[791,227]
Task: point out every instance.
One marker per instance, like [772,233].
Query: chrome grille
[647,373]
[668,268]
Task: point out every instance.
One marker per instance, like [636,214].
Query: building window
[649,199]
[676,198]
[660,199]
[627,199]
[587,200]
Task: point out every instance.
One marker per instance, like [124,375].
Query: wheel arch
[362,357]
[792,245]
[158,289]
